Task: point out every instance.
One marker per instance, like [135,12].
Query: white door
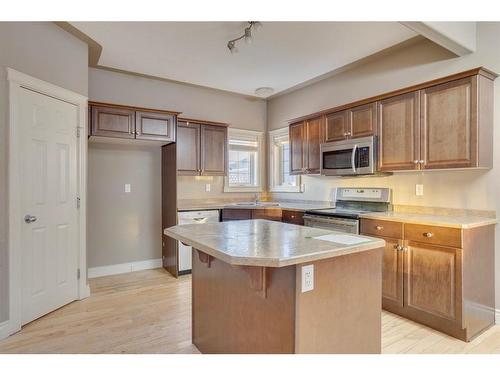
[49,243]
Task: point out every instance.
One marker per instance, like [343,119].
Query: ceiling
[282,55]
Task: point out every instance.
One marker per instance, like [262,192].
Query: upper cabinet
[305,140]
[441,124]
[201,148]
[449,125]
[118,121]
[399,132]
[360,121]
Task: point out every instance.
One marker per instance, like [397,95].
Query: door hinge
[77,202]
[78,273]
[77,132]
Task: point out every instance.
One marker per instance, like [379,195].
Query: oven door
[349,157]
[332,223]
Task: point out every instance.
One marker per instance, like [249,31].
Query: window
[280,179]
[245,161]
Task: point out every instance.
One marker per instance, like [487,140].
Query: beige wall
[474,189]
[112,244]
[123,227]
[45,51]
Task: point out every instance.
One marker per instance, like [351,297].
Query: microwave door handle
[353,158]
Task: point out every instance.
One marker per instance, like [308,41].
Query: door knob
[28,219]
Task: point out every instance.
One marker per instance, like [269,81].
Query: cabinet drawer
[382,228]
[293,217]
[451,237]
[267,213]
[236,214]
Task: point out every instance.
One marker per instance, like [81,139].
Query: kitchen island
[260,286]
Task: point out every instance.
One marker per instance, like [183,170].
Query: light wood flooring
[150,312]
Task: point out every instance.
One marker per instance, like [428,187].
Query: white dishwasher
[192,217]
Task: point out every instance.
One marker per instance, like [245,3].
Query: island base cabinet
[249,309]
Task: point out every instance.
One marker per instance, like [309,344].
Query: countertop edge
[437,222]
[277,262]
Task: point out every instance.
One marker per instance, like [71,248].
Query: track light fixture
[247,35]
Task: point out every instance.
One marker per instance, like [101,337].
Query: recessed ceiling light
[264,91]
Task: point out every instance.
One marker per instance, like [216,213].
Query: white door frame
[16,82]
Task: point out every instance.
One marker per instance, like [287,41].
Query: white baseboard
[116,269]
[497,316]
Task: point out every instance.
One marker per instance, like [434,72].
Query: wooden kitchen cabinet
[305,140]
[201,148]
[449,127]
[432,282]
[336,126]
[119,121]
[154,126]
[441,124]
[112,122]
[399,132]
[362,120]
[188,148]
[293,217]
[213,150]
[438,276]
[297,155]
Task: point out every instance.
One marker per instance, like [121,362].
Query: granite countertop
[451,221]
[266,243]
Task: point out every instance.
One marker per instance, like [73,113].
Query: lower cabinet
[438,276]
[271,213]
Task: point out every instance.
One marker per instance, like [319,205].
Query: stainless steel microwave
[349,157]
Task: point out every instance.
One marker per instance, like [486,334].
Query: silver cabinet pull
[428,234]
[378,227]
[415,161]
[421,161]
[28,219]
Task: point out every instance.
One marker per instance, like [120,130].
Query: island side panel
[342,314]
[230,316]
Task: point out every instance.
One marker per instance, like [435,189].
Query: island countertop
[267,243]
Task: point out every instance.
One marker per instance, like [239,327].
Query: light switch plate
[419,189]
[207,187]
[127,188]
[307,278]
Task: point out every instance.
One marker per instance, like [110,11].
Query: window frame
[242,134]
[273,187]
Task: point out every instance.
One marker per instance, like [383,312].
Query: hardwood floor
[150,312]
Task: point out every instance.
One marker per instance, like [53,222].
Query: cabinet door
[399,132]
[188,149]
[155,126]
[213,150]
[433,284]
[392,271]
[297,155]
[449,124]
[113,122]
[314,137]
[362,120]
[336,126]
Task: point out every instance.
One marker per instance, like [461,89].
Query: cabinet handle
[415,161]
[421,161]
[378,227]
[428,234]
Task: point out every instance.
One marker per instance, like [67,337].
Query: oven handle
[353,158]
[332,220]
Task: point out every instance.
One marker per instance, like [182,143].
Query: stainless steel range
[349,204]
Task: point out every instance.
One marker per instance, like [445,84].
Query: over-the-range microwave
[349,157]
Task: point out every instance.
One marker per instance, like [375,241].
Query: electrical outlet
[419,189]
[207,187]
[307,278]
[127,188]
